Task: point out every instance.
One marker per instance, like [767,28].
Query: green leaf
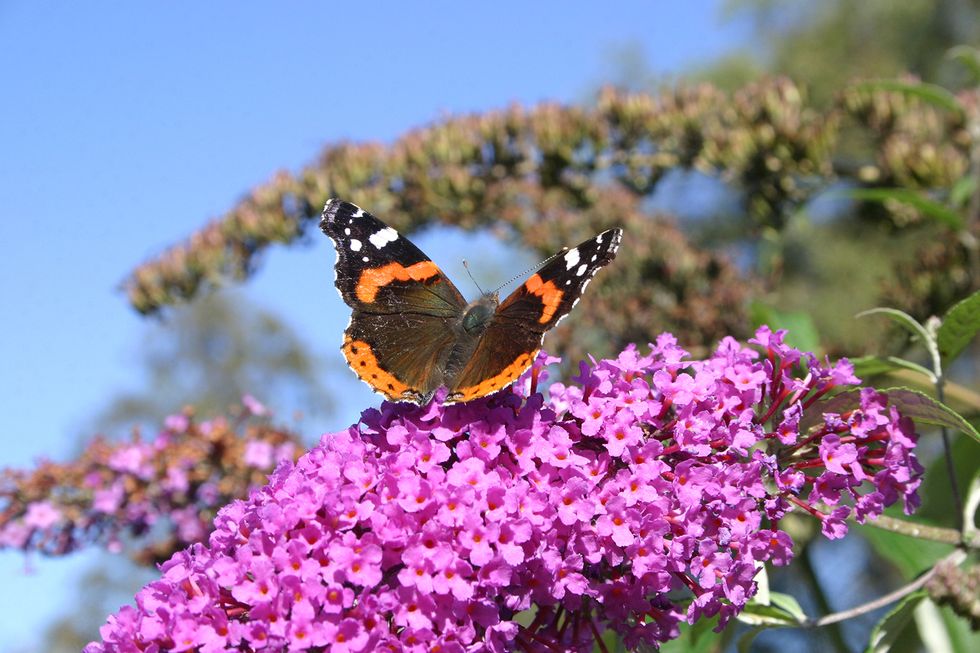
[923,408]
[904,319]
[697,638]
[788,604]
[970,506]
[801,331]
[933,632]
[960,324]
[930,93]
[911,403]
[953,630]
[910,555]
[763,594]
[938,505]
[892,624]
[926,206]
[962,191]
[868,366]
[745,641]
[969,57]
[839,403]
[766,616]
[782,610]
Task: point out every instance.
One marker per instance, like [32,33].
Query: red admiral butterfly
[412,332]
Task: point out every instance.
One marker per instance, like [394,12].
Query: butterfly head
[478,313]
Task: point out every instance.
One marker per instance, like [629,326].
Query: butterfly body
[412,332]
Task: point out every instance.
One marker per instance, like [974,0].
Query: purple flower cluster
[169,486]
[646,493]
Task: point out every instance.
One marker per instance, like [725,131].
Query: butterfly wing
[513,338]
[403,306]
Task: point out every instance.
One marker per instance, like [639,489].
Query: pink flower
[253,405]
[128,459]
[42,515]
[108,499]
[258,454]
[424,527]
[176,423]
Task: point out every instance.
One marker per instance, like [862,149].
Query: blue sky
[125,126]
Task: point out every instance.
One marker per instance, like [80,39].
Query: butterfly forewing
[550,293]
[403,306]
[379,270]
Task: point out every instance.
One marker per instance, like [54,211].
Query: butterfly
[412,332]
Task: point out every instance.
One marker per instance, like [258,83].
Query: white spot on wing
[359,212]
[365,259]
[585,285]
[571,259]
[598,239]
[594,257]
[355,244]
[581,269]
[347,231]
[383,237]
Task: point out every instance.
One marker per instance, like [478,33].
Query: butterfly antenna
[533,268]
[467,266]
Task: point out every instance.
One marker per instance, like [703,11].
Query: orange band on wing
[507,376]
[362,360]
[374,279]
[549,294]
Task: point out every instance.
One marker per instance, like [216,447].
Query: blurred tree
[831,42]
[581,169]
[826,46]
[210,353]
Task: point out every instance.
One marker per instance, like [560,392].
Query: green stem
[920,531]
[932,346]
[954,485]
[956,557]
[973,208]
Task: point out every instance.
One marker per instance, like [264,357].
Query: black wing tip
[615,233]
[334,210]
[617,238]
[329,214]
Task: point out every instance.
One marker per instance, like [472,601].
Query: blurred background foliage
[212,352]
[783,232]
[829,43]
[735,187]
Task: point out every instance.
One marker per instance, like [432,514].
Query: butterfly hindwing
[500,357]
[402,356]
